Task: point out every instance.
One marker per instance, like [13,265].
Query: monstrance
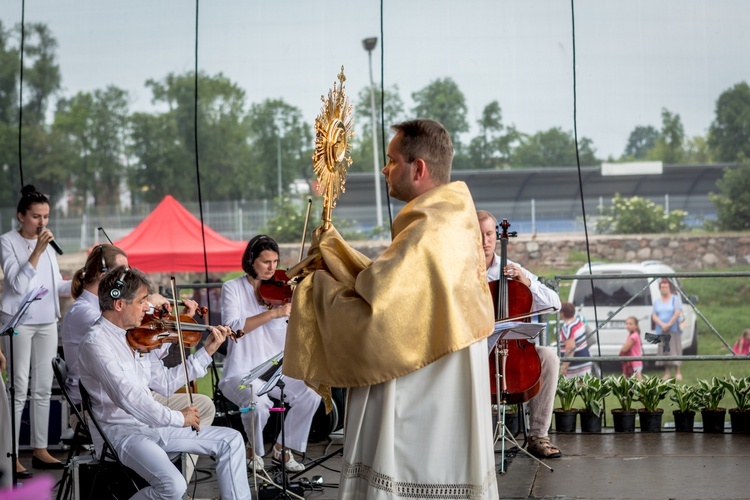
[333,130]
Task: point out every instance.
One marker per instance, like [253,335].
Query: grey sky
[633,57]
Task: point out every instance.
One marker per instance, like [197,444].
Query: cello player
[540,406]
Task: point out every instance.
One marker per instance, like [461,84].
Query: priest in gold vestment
[404,334]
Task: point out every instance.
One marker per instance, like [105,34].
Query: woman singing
[29,261]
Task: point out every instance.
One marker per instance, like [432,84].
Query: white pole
[376,161]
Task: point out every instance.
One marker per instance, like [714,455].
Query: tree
[733,200]
[669,147]
[443,101]
[163,144]
[95,127]
[492,148]
[553,148]
[640,142]
[729,134]
[362,142]
[277,127]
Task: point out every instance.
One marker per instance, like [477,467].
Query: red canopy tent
[169,240]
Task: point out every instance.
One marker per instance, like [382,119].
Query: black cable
[20,91]
[197,160]
[382,115]
[580,178]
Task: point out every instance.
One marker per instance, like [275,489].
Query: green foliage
[362,157]
[443,101]
[638,215]
[650,391]
[669,147]
[288,223]
[553,148]
[739,389]
[623,389]
[684,397]
[592,391]
[709,394]
[733,201]
[492,148]
[640,142]
[729,134]
[567,392]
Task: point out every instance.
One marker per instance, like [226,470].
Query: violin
[521,368]
[157,330]
[276,291]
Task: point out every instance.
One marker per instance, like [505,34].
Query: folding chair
[121,481]
[81,435]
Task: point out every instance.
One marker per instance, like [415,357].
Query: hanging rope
[197,159]
[578,164]
[382,115]
[20,92]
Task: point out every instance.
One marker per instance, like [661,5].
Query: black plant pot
[511,422]
[650,420]
[590,422]
[684,421]
[740,421]
[713,420]
[624,420]
[565,421]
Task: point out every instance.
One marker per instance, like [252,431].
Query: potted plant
[710,395]
[739,388]
[686,399]
[592,391]
[565,415]
[623,389]
[650,391]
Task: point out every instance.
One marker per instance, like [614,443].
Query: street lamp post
[369,44]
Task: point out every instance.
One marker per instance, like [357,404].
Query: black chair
[121,481]
[81,435]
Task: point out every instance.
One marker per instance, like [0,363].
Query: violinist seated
[85,312]
[540,406]
[244,308]
[142,430]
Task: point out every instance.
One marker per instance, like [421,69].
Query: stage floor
[594,466]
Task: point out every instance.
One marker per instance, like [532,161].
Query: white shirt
[543,296]
[75,326]
[238,303]
[120,382]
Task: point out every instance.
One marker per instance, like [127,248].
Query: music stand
[505,331]
[9,331]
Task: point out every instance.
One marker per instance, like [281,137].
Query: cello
[520,370]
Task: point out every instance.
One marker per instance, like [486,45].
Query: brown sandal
[541,447]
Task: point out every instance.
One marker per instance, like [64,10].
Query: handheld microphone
[54,245]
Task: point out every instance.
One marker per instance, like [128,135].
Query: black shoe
[24,474]
[40,464]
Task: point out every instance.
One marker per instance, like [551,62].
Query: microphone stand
[9,331]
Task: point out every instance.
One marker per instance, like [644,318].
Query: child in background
[632,347]
[742,346]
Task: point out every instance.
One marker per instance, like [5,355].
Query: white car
[613,293]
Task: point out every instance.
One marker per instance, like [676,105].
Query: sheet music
[262,368]
[513,330]
[35,294]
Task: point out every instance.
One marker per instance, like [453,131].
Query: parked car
[613,292]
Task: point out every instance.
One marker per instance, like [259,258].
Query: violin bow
[101,230]
[304,230]
[181,342]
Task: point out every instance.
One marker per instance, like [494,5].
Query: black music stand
[277,380]
[505,331]
[9,330]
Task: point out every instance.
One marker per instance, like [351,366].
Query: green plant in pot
[565,415]
[623,389]
[710,395]
[650,391]
[739,388]
[687,401]
[592,391]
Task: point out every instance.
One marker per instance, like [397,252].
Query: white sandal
[255,464]
[290,464]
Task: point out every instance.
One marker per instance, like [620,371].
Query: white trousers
[303,401]
[540,406]
[149,459]
[5,438]
[33,350]
[179,401]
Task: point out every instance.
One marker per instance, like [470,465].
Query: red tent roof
[169,240]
